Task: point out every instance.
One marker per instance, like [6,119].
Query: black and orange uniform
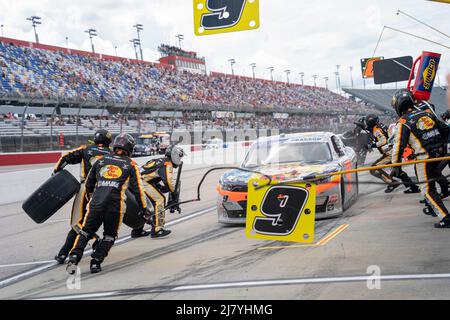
[427,136]
[381,134]
[106,185]
[158,179]
[86,156]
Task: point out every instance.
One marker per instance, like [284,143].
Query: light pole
[326,82]
[67,43]
[302,75]
[115,50]
[288,72]
[338,77]
[337,84]
[180,38]
[253,65]
[135,43]
[139,27]
[2,32]
[35,20]
[271,72]
[232,63]
[92,33]
[351,75]
[315,78]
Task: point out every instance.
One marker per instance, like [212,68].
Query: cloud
[303,36]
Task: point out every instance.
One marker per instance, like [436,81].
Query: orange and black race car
[293,156]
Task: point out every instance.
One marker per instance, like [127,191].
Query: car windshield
[286,152]
[144,141]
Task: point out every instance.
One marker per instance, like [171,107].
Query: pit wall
[16,186]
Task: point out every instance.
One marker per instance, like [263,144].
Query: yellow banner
[220,16]
[284,212]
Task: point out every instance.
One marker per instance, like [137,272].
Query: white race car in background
[213,144]
[293,156]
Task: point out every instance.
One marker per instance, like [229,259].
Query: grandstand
[56,74]
[382,98]
[53,91]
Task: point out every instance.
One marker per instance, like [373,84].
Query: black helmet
[125,142]
[401,101]
[361,123]
[371,121]
[175,154]
[103,137]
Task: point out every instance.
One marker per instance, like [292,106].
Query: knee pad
[375,173]
[103,247]
[84,234]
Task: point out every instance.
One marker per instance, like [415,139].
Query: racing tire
[132,217]
[51,196]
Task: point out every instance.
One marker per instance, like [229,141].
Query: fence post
[51,125]
[22,124]
[78,120]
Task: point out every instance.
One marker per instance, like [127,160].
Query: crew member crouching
[158,178]
[380,133]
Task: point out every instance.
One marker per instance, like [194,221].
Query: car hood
[279,172]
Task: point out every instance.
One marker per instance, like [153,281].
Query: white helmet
[175,154]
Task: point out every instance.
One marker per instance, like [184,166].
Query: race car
[213,144]
[151,144]
[293,156]
[146,145]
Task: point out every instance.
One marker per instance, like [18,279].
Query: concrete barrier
[23,158]
[16,186]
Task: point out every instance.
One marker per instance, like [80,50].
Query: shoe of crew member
[428,210]
[445,193]
[72,264]
[60,258]
[391,187]
[412,190]
[140,232]
[160,233]
[95,266]
[443,224]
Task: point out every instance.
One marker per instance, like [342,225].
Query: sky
[302,36]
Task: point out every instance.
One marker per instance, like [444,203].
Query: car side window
[338,146]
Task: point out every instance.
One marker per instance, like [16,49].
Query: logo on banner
[219,16]
[429,74]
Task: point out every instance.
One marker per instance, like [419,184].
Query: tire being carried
[132,216]
[51,196]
